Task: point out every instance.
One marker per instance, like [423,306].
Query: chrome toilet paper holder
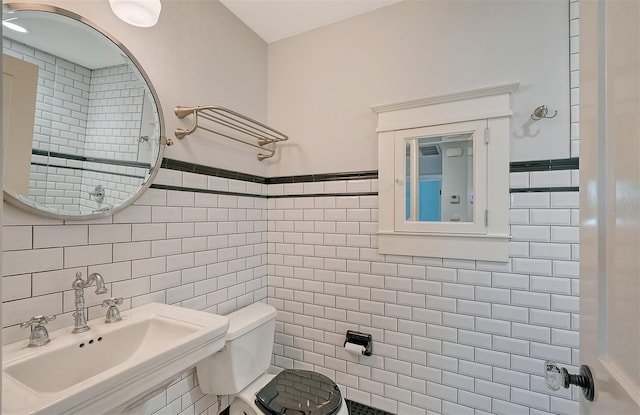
[361,339]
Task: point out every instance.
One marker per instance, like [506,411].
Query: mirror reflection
[83,132]
[439,177]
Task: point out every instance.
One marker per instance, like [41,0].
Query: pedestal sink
[109,366]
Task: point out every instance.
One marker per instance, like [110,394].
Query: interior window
[444,175]
[439,183]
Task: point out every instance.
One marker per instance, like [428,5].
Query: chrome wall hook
[541,112]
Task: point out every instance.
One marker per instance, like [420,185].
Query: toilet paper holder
[360,339]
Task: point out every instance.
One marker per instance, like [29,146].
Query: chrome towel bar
[232,125]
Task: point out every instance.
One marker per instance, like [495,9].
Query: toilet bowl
[239,370]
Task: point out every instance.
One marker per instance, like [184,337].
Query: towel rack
[251,132]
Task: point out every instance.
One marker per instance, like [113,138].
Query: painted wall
[322,83]
[199,53]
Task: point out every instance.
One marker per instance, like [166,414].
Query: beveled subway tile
[556,178]
[131,288]
[57,236]
[148,231]
[166,214]
[19,311]
[115,271]
[153,197]
[75,256]
[100,234]
[180,198]
[169,177]
[16,287]
[131,250]
[17,238]
[530,200]
[36,260]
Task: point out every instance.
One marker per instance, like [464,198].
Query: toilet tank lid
[248,318]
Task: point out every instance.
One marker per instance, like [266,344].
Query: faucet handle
[113,314]
[37,321]
[39,334]
[113,301]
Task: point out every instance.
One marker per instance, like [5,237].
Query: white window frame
[487,237]
[478,129]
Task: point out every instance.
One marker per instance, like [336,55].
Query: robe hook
[541,112]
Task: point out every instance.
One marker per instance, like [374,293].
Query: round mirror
[82,125]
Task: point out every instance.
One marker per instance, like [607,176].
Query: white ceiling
[274,20]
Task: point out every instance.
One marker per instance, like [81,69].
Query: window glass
[439,178]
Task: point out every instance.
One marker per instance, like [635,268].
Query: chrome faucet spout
[99,281]
[79,285]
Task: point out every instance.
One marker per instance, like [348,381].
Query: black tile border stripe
[210,171]
[325,177]
[222,192]
[208,191]
[514,167]
[544,165]
[178,165]
[545,189]
[323,195]
[92,170]
[91,159]
[524,166]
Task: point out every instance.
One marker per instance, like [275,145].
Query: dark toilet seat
[299,392]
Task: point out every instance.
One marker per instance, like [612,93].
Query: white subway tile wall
[114,113]
[202,251]
[449,335]
[574,80]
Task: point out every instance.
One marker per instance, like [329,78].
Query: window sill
[456,246]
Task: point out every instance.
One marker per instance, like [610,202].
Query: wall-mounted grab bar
[251,132]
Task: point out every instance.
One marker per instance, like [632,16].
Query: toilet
[239,370]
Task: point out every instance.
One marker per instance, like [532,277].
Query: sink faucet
[79,285]
[39,334]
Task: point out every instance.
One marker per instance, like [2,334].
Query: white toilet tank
[246,354]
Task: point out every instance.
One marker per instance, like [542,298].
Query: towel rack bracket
[233,125]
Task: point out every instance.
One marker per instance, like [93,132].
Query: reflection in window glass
[439,178]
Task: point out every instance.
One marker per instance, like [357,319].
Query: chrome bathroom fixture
[556,377]
[79,285]
[542,112]
[113,314]
[97,194]
[39,334]
[244,129]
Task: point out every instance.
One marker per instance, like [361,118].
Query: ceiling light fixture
[7,23]
[141,13]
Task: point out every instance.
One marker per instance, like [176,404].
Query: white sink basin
[110,365]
